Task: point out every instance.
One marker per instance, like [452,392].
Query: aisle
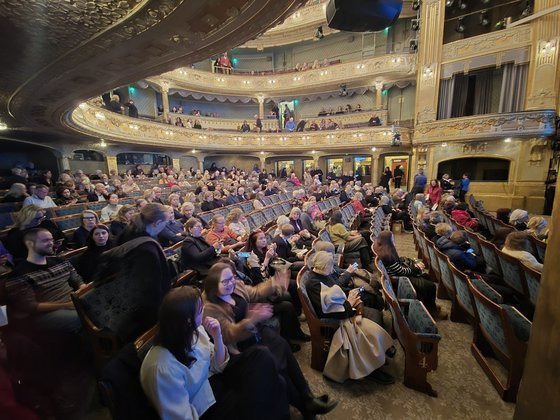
[464,390]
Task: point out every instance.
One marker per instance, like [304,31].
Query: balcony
[389,68]
[491,43]
[93,120]
[515,124]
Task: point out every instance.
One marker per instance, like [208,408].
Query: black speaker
[363,15]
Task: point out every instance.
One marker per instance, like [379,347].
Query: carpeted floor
[464,391]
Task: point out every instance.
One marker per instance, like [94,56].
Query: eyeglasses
[228,280]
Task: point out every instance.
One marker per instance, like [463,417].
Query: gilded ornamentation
[528,123]
[485,44]
[99,122]
[474,147]
[390,67]
[538,146]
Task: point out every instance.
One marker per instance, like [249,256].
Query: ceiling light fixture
[507,140]
[102,143]
[374,149]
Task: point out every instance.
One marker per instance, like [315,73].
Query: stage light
[415,24]
[527,11]
[416,5]
[460,26]
[462,5]
[484,21]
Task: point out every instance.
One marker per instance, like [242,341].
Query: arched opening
[88,161]
[147,161]
[478,168]
[32,157]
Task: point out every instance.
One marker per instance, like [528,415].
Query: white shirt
[109,211]
[175,390]
[36,201]
[525,257]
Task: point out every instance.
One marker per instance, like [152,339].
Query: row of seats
[498,329]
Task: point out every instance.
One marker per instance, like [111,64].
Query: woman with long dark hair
[385,250]
[87,263]
[188,376]
[244,326]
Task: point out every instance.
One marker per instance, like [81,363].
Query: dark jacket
[198,255]
[93,197]
[344,197]
[117,227]
[284,250]
[80,236]
[14,239]
[168,236]
[313,287]
[87,262]
[429,231]
[457,254]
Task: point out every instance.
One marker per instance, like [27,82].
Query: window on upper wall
[479,169]
[88,155]
[142,159]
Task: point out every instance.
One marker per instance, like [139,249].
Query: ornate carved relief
[537,148]
[474,147]
[529,123]
[506,39]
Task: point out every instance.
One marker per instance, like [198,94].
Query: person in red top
[434,192]
[295,180]
[219,232]
[225,63]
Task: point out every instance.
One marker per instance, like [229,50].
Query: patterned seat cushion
[463,293]
[512,274]
[405,289]
[418,318]
[486,290]
[521,326]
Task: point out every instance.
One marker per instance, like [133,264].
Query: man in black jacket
[132,110]
[100,193]
[196,253]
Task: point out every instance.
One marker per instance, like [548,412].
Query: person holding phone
[196,253]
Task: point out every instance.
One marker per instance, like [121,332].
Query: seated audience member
[397,214]
[499,238]
[99,194]
[64,197]
[419,201]
[173,231]
[157,195]
[174,201]
[516,245]
[218,201]
[352,241]
[140,203]
[285,241]
[434,192]
[27,218]
[371,199]
[186,375]
[208,203]
[258,201]
[294,180]
[385,250]
[518,219]
[346,194]
[463,217]
[196,253]
[87,262]
[111,209]
[447,183]
[130,186]
[459,251]
[430,229]
[187,211]
[290,125]
[538,227]
[242,325]
[306,238]
[257,244]
[219,232]
[18,175]
[442,230]
[140,263]
[238,224]
[16,194]
[89,221]
[122,219]
[307,222]
[320,286]
[503,214]
[40,198]
[359,207]
[374,121]
[149,195]
[39,289]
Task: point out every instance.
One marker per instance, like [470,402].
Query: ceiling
[57,53]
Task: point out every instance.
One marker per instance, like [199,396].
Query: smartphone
[355,265]
[242,254]
[361,291]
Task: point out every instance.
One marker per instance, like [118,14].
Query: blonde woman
[130,186]
[149,195]
[121,220]
[27,218]
[538,227]
[237,222]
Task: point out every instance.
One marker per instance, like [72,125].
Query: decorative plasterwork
[95,121]
[474,147]
[515,124]
[390,67]
[506,39]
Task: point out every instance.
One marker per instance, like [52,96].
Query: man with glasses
[40,198]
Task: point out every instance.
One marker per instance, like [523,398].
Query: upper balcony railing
[390,67]
[514,124]
[95,121]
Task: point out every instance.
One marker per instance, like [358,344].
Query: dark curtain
[483,93]
[445,98]
[514,86]
[460,93]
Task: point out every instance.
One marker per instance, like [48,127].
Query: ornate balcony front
[95,121]
[388,68]
[488,126]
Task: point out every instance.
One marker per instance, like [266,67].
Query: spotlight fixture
[483,19]
[415,25]
[396,140]
[413,45]
[460,26]
[343,90]
[449,3]
[319,33]
[416,5]
[462,4]
[527,11]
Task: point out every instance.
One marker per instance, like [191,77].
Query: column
[165,99]
[413,167]
[176,162]
[112,163]
[200,160]
[543,84]
[540,387]
[262,159]
[375,169]
[429,57]
[65,162]
[378,94]
[260,98]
